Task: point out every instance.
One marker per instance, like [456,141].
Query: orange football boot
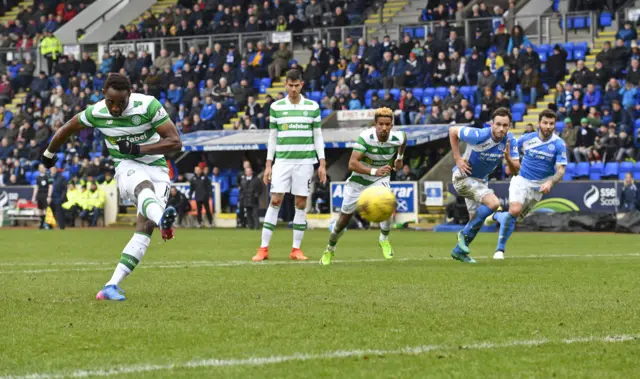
[261,255]
[297,255]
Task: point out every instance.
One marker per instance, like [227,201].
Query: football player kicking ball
[485,151]
[138,132]
[543,153]
[296,143]
[369,163]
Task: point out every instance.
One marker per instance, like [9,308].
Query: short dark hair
[118,82]
[547,113]
[294,75]
[502,112]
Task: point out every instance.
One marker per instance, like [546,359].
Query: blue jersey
[483,153]
[541,157]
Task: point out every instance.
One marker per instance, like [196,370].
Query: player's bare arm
[71,127]
[546,186]
[398,163]
[513,164]
[271,153]
[356,165]
[169,142]
[454,139]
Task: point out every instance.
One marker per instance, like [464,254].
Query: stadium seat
[624,168]
[569,171]
[569,23]
[569,46]
[605,19]
[66,174]
[610,170]
[466,92]
[442,92]
[419,32]
[29,175]
[478,109]
[381,93]
[429,91]
[325,113]
[316,96]
[369,93]
[636,168]
[517,116]
[559,127]
[596,170]
[234,194]
[580,50]
[427,100]
[543,52]
[395,92]
[256,83]
[579,22]
[418,93]
[408,31]
[582,170]
[519,107]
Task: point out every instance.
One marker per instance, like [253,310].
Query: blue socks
[472,228]
[507,225]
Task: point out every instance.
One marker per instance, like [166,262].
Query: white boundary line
[302,357]
[108,266]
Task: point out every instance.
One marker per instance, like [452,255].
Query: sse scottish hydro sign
[406,196]
[582,196]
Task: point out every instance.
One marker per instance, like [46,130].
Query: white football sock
[299,226]
[385,228]
[150,206]
[270,222]
[130,257]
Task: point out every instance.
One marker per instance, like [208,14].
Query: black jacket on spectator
[481,43]
[633,76]
[605,57]
[179,202]
[601,76]
[250,190]
[556,67]
[59,189]
[582,77]
[201,187]
[629,198]
[586,137]
[619,57]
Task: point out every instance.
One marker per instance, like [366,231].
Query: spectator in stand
[629,197]
[556,66]
[585,141]
[481,41]
[577,113]
[612,92]
[409,109]
[208,112]
[627,34]
[488,105]
[441,70]
[607,144]
[201,191]
[530,82]
[281,60]
[518,39]
[626,146]
[620,116]
[628,94]
[354,102]
[179,202]
[508,84]
[501,41]
[495,63]
[592,97]
[529,129]
[406,174]
[619,57]
[531,58]
[633,73]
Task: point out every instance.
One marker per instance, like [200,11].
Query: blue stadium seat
[569,23]
[327,112]
[419,32]
[395,92]
[29,175]
[579,22]
[381,93]
[201,85]
[580,50]
[429,91]
[427,100]
[559,127]
[367,102]
[408,31]
[569,46]
[66,174]
[369,93]
[316,96]
[478,109]
[418,93]
[636,168]
[442,92]
[466,91]
[256,83]
[611,170]
[543,52]
[582,170]
[605,19]
[569,172]
[234,194]
[519,107]
[596,170]
[517,116]
[624,168]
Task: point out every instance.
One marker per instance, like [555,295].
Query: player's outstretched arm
[454,139]
[72,127]
[356,165]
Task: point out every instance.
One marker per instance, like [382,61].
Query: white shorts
[526,192]
[352,192]
[292,178]
[472,189]
[130,173]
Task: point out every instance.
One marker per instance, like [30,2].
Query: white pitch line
[202,264]
[302,357]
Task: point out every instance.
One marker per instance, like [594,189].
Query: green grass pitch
[563,305]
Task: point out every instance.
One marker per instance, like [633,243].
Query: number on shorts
[309,185]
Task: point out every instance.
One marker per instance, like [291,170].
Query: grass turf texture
[183,305]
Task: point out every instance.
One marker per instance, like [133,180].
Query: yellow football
[376,203]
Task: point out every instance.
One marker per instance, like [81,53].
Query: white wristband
[48,154]
[373,171]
